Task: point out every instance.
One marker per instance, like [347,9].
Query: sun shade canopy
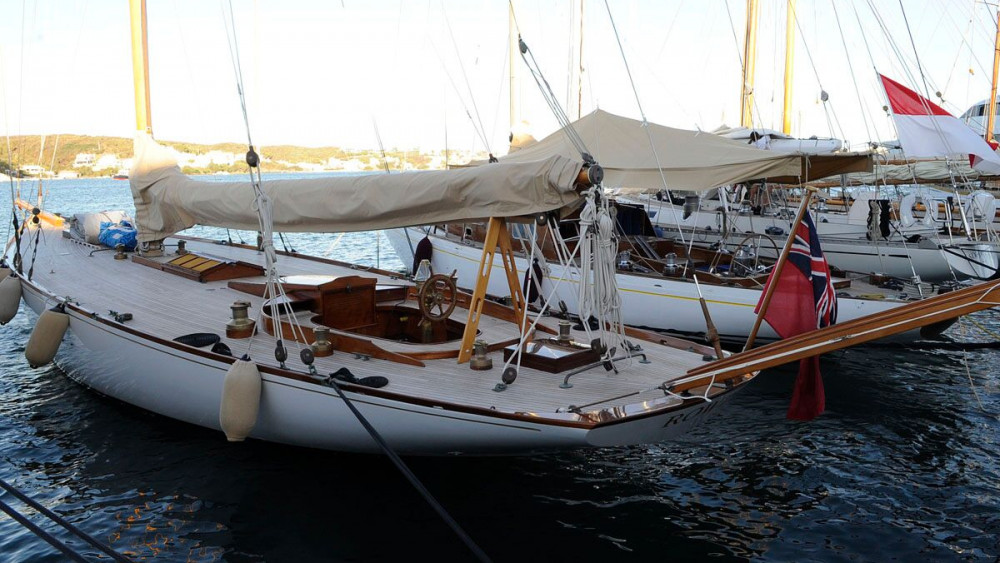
[167,201]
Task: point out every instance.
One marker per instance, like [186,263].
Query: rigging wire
[649,137]
[479,132]
[913,44]
[824,96]
[850,66]
[468,85]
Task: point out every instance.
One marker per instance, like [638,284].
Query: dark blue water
[902,466]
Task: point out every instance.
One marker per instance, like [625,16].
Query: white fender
[240,400]
[860,208]
[931,211]
[981,206]
[906,218]
[10,296]
[46,337]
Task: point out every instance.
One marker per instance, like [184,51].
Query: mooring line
[20,519]
[410,476]
[58,520]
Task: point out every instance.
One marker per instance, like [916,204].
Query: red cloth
[792,309]
[803,300]
[904,101]
[808,397]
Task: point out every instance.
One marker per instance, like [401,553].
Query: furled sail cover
[918,172]
[167,201]
[691,160]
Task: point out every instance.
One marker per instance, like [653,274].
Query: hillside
[60,152]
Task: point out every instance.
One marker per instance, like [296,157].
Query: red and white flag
[927,130]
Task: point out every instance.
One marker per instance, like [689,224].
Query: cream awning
[167,201]
[690,160]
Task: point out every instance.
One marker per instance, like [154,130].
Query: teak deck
[167,306]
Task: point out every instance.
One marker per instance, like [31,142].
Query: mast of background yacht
[991,102]
[786,113]
[749,63]
[140,65]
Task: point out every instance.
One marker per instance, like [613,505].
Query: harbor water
[903,465]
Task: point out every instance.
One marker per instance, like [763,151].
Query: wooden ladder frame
[497,235]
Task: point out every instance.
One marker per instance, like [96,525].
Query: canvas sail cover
[167,201]
[690,160]
[918,172]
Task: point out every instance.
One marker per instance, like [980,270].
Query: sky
[433,73]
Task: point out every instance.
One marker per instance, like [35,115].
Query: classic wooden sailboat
[179,326]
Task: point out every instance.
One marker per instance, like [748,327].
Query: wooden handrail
[858,331]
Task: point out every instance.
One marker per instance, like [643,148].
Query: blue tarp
[113,234]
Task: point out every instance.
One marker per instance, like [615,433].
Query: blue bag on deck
[113,234]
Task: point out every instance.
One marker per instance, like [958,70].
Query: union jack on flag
[807,256]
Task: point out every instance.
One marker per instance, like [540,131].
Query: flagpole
[779,265]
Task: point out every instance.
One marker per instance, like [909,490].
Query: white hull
[647,301]
[186,384]
[844,244]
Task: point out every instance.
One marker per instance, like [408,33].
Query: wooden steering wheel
[437,297]
[756,241]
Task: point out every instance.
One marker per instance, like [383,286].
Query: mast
[786,120]
[991,103]
[749,63]
[140,65]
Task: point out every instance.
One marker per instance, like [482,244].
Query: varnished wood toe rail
[914,315]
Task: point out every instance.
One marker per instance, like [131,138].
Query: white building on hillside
[84,159]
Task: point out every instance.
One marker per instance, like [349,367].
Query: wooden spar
[932,310]
[140,66]
[778,266]
[496,236]
[786,114]
[749,63]
[712,333]
[44,216]
[991,102]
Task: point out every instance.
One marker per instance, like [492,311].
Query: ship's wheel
[437,297]
[757,242]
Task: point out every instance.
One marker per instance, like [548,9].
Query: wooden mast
[991,103]
[140,66]
[749,64]
[786,115]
